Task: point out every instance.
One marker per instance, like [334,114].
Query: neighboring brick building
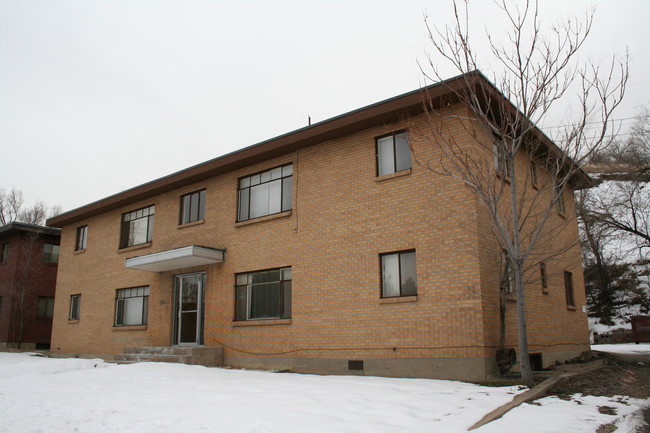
[326,250]
[28,265]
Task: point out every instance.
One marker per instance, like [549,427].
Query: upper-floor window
[192,207]
[393,153]
[559,200]
[499,153]
[131,306]
[398,274]
[265,193]
[543,276]
[82,237]
[137,227]
[51,253]
[45,306]
[263,294]
[533,173]
[4,252]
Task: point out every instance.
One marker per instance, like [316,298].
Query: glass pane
[245,182]
[119,312]
[260,277]
[287,170]
[276,173]
[274,275]
[186,210]
[402,152]
[243,204]
[138,231]
[390,275]
[202,205]
[265,300]
[133,311]
[50,307]
[242,279]
[286,193]
[259,200]
[240,303]
[188,327]
[286,274]
[190,295]
[386,159]
[265,177]
[408,274]
[286,301]
[275,196]
[255,179]
[194,207]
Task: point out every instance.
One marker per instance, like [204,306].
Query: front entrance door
[188,307]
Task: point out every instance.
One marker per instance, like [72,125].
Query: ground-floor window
[75,301]
[45,306]
[263,294]
[398,274]
[131,306]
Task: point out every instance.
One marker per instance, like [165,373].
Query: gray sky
[100,96]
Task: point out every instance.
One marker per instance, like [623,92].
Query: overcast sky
[100,96]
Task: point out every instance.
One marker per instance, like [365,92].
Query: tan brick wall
[343,217]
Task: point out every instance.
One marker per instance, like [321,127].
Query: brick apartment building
[325,250]
[28,266]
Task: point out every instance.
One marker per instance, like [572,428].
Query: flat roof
[31,228]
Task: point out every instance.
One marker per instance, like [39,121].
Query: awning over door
[185,257]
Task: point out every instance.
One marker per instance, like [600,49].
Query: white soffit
[185,257]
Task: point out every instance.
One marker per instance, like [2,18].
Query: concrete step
[155,357]
[161,350]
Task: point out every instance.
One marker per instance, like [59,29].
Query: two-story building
[28,265]
[325,250]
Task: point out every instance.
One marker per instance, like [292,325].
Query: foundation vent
[355,365]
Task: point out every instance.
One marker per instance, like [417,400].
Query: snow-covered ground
[74,395]
[628,348]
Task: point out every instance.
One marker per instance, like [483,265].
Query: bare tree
[535,71]
[12,209]
[622,201]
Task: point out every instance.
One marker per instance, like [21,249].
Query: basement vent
[536,361]
[355,365]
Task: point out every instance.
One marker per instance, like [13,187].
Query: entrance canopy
[184,257]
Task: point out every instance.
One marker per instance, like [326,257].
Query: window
[533,173]
[543,277]
[568,288]
[193,207]
[559,197]
[393,153]
[500,156]
[50,253]
[398,276]
[131,306]
[265,193]
[82,236]
[507,278]
[45,306]
[263,295]
[74,307]
[137,227]
[4,252]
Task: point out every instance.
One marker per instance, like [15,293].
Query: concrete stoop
[192,355]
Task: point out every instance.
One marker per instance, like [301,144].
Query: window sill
[134,247]
[262,322]
[192,224]
[130,328]
[393,175]
[398,300]
[73,322]
[75,252]
[571,308]
[284,214]
[545,291]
